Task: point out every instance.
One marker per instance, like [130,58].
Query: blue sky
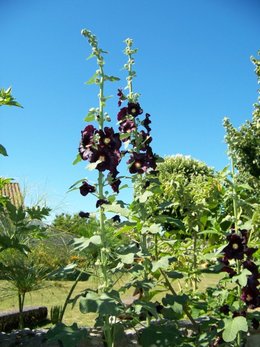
[193,69]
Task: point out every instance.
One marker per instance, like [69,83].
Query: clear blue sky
[193,69]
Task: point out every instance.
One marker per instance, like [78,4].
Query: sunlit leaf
[233,326]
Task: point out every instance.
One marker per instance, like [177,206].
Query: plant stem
[234,197]
[195,284]
[185,310]
[69,296]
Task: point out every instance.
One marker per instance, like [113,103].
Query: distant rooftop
[13,192]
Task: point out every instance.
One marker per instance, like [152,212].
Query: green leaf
[92,79]
[232,328]
[83,243]
[174,274]
[3,151]
[90,117]
[242,277]
[90,56]
[69,336]
[143,198]
[127,258]
[124,136]
[92,166]
[163,263]
[77,159]
[152,229]
[104,304]
[89,303]
[111,78]
[160,336]
[117,208]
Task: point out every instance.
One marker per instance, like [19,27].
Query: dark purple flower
[87,141]
[121,96]
[141,162]
[107,160]
[86,188]
[134,109]
[146,122]
[116,219]
[115,185]
[235,247]
[109,139]
[114,181]
[122,113]
[100,202]
[251,296]
[84,214]
[127,126]
[138,163]
[224,309]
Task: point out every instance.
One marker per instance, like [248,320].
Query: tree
[244,143]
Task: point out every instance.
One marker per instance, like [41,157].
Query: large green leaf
[159,336]
[69,336]
[242,277]
[84,243]
[232,328]
[118,208]
[104,304]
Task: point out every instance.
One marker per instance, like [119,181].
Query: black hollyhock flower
[251,296]
[121,96]
[101,202]
[86,188]
[141,162]
[87,141]
[138,163]
[115,185]
[114,181]
[116,219]
[107,160]
[146,122]
[224,309]
[122,113]
[127,126]
[134,109]
[84,214]
[109,139]
[235,247]
[239,313]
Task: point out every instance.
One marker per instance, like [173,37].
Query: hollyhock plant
[238,263]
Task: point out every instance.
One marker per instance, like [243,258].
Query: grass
[54,293]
